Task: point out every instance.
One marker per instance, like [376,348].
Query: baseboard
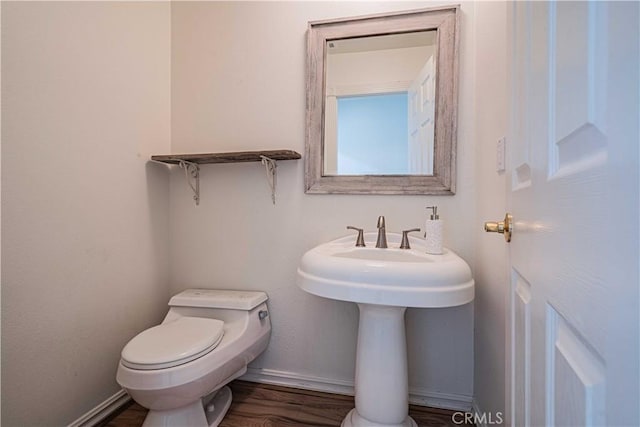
[433,399]
[417,396]
[295,380]
[102,411]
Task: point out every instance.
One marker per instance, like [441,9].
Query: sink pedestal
[381,383]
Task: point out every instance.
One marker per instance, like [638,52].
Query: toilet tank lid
[214,298]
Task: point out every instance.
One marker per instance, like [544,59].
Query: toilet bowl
[179,369]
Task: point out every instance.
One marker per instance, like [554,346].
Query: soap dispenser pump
[433,236]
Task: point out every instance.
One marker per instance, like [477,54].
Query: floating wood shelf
[191,164]
[240,156]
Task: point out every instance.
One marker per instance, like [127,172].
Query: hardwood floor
[265,405]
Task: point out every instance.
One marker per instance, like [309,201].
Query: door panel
[521,84]
[572,124]
[521,349]
[421,111]
[577,86]
[575,377]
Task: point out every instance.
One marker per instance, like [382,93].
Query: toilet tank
[213,298]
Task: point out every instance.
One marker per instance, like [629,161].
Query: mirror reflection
[380,105]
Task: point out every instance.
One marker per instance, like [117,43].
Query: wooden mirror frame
[445,20]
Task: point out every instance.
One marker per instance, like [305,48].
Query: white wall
[85,101]
[90,90]
[491,251]
[238,83]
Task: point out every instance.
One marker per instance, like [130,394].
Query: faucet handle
[405,238]
[360,239]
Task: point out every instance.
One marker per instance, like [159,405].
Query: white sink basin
[393,277]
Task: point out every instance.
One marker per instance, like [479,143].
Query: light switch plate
[500,155]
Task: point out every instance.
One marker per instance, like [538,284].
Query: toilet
[180,368]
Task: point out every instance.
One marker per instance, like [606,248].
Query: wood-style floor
[257,405]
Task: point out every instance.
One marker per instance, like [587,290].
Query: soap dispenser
[433,236]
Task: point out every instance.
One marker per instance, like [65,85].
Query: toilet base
[198,414]
[353,419]
[217,406]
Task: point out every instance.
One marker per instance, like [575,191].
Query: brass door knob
[503,227]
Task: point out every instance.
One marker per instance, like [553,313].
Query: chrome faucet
[382,234]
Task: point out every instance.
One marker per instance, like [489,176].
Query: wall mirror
[382,103]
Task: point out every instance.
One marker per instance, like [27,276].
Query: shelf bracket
[192,175]
[272,175]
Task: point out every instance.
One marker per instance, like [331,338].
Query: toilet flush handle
[262,314]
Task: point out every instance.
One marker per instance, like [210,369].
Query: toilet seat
[174,343]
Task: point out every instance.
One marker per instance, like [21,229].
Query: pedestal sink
[384,282]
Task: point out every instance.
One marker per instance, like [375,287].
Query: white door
[421,112]
[573,331]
